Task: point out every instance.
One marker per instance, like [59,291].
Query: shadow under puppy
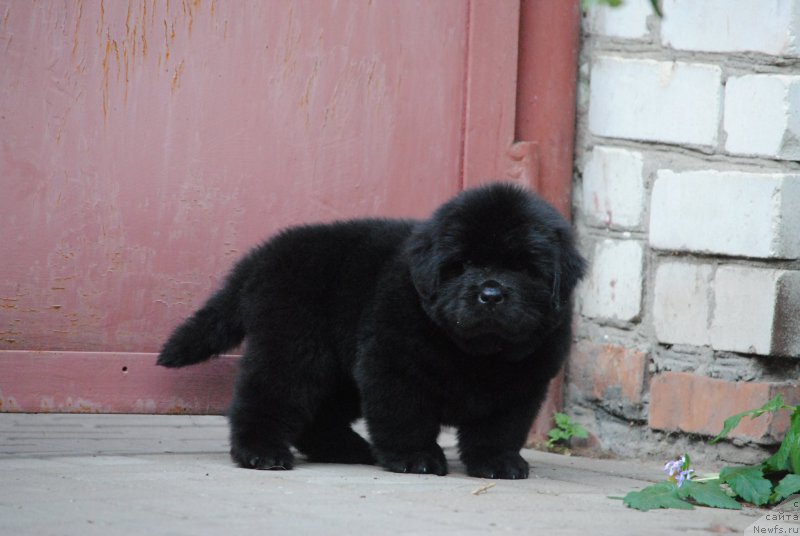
[461,320]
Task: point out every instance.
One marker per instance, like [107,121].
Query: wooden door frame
[546,108]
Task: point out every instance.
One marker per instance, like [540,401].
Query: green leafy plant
[764,484]
[564,430]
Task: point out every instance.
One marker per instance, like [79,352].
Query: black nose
[491,293]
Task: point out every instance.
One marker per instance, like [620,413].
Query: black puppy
[460,320]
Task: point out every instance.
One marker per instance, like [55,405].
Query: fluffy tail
[216,327]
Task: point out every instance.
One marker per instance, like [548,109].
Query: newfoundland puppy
[459,320]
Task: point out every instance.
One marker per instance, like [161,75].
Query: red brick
[681,401]
[596,369]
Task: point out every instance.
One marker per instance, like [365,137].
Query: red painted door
[147,144]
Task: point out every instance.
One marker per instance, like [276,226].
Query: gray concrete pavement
[171,475]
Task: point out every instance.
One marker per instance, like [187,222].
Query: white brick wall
[681,308]
[613,188]
[666,101]
[786,318]
[733,308]
[766,26]
[762,116]
[728,213]
[756,311]
[627,21]
[688,144]
[613,289]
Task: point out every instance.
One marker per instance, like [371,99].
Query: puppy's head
[495,267]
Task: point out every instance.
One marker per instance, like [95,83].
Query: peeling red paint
[143,158]
[147,144]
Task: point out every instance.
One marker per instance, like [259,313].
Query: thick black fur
[458,320]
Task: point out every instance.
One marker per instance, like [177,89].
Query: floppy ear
[569,267]
[423,261]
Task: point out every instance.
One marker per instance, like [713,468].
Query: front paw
[430,461]
[275,458]
[509,465]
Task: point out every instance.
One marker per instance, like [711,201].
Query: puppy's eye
[452,269]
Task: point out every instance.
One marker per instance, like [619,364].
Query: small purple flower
[678,471]
[674,467]
[683,476]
